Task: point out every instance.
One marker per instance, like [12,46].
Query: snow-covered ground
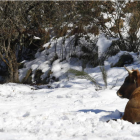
[71,110]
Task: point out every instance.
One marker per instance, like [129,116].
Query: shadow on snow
[104,115]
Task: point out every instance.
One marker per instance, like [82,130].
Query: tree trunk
[13,67]
[13,73]
[10,69]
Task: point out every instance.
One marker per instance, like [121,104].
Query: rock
[124,59]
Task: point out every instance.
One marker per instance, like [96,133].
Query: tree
[19,20]
[133,39]
[9,37]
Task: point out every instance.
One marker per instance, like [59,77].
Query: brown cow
[131,90]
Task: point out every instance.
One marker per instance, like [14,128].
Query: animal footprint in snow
[77,102]
[26,114]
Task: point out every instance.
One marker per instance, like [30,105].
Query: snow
[59,68]
[72,109]
[44,60]
[70,25]
[37,38]
[103,44]
[114,59]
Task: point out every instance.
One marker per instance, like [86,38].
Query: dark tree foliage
[21,21]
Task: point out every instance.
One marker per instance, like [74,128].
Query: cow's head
[131,82]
